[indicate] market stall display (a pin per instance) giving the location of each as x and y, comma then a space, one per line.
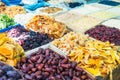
9, 73
46, 24
28, 39
10, 51
48, 65
104, 33
59, 39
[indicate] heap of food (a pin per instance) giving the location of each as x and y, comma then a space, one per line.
5, 21
8, 73
95, 56
46, 24
46, 64
69, 41
99, 58
28, 39
2, 7
10, 51
104, 33
51, 10
13, 10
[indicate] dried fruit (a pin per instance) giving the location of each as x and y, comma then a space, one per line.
52, 71
96, 57
10, 51
28, 39
46, 24
104, 33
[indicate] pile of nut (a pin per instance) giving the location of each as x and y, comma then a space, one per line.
48, 65
46, 24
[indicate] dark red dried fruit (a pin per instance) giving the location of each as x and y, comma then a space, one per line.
104, 33
33, 69
37, 73
52, 67
65, 65
83, 77
40, 66
23, 60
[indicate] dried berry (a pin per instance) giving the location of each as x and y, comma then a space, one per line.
104, 33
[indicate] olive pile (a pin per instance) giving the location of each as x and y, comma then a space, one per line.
48, 65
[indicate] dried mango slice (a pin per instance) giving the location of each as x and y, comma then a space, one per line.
93, 71
10, 51
96, 56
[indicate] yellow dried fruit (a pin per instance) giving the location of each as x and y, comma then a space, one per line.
46, 24
10, 51
98, 56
